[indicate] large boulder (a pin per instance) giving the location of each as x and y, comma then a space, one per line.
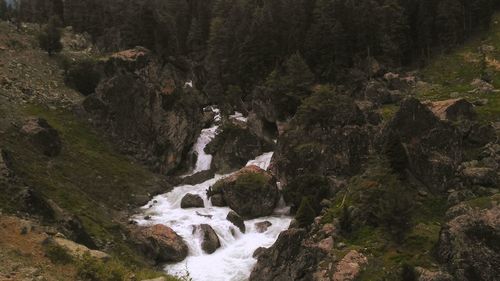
251, 192
192, 201
290, 258
453, 110
468, 243
160, 243
210, 241
76, 250
144, 106
416, 140
234, 146
42, 136
235, 219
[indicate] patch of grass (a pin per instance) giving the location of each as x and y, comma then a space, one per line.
58, 254
388, 111
484, 202
89, 179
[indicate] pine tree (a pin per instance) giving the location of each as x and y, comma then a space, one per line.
195, 37
3, 10
50, 37
448, 23
305, 214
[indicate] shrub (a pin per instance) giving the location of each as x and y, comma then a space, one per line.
314, 187
58, 254
91, 269
408, 273
83, 76
49, 38
306, 214
384, 198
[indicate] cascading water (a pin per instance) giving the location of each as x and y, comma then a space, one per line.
233, 261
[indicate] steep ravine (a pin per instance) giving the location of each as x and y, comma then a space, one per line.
233, 261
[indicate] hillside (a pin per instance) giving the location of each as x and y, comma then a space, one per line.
89, 181
250, 140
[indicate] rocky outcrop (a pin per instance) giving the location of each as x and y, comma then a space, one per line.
290, 258
453, 110
160, 243
210, 241
76, 250
428, 275
234, 146
416, 140
145, 108
251, 192
468, 243
42, 136
349, 267
338, 147
235, 219
192, 201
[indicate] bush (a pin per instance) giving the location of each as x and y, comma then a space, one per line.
384, 198
408, 273
58, 254
83, 76
314, 187
306, 214
91, 269
49, 38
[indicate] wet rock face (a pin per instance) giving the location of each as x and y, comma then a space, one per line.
416, 140
251, 192
235, 219
468, 243
338, 147
160, 243
210, 242
42, 136
145, 108
192, 201
287, 259
234, 146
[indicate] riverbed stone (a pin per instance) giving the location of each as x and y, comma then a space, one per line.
235, 219
192, 201
210, 241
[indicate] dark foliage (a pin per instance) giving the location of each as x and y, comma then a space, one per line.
313, 187
306, 214
83, 77
50, 36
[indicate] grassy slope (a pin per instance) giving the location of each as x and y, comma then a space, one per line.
453, 72
89, 179
450, 75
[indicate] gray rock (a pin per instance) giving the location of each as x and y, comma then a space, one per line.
262, 226
468, 243
210, 241
192, 201
235, 219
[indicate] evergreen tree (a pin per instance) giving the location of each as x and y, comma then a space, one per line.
3, 10
448, 23
305, 214
50, 37
195, 37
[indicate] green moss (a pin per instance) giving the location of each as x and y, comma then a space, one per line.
388, 111
484, 202
89, 179
58, 254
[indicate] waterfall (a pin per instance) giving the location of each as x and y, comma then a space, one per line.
233, 261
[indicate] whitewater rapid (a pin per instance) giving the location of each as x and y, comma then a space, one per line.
233, 261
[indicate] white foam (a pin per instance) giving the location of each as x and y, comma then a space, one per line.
233, 261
